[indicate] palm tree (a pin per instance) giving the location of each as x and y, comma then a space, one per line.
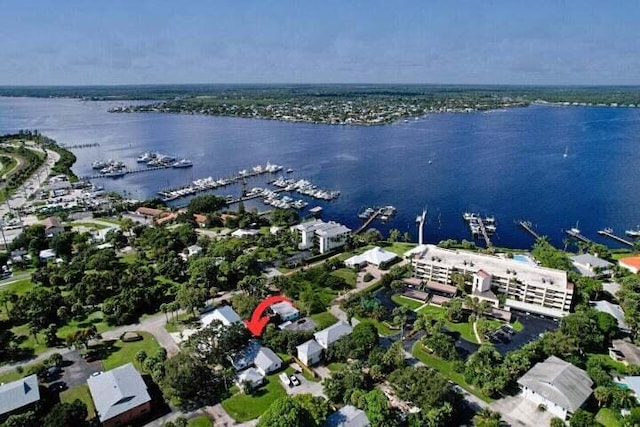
164, 308
487, 418
400, 316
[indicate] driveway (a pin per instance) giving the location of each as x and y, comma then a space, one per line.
306, 386
78, 370
520, 412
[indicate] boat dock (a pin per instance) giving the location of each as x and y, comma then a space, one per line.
577, 235
368, 221
608, 232
124, 172
78, 146
251, 197
483, 231
529, 228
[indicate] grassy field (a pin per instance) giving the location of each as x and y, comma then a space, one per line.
399, 248
336, 366
465, 329
80, 392
201, 421
95, 318
112, 221
93, 225
617, 367
445, 368
608, 418
242, 407
324, 319
411, 303
348, 274
125, 352
383, 329
18, 287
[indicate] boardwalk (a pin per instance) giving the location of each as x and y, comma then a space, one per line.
609, 233
368, 222
529, 228
483, 230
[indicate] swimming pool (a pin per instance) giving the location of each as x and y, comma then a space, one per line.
525, 259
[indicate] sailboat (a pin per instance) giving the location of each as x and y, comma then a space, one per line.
566, 152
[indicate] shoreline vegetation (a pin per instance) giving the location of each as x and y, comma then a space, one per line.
335, 104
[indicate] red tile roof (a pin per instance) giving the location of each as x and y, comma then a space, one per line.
632, 261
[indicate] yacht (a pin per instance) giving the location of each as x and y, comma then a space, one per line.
98, 164
633, 233
183, 163
145, 157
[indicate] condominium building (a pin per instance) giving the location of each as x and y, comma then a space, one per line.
326, 236
528, 287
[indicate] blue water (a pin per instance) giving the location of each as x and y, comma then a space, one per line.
505, 163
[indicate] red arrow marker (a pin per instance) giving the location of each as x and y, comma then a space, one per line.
258, 322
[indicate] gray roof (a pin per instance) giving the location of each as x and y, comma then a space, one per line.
117, 391
284, 309
333, 333
309, 347
266, 358
16, 394
613, 309
348, 416
593, 261
224, 313
251, 375
558, 381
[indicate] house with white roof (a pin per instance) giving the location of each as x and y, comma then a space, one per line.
242, 233
333, 333
325, 235
266, 361
591, 265
614, 310
224, 314
285, 310
558, 386
374, 256
348, 416
309, 352
250, 376
18, 396
193, 250
119, 396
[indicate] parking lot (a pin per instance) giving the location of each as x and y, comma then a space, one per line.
77, 372
533, 326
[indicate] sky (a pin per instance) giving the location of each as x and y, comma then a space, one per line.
539, 42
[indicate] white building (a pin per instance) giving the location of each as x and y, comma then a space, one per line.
191, 251
242, 233
557, 385
309, 352
528, 287
224, 314
326, 236
267, 361
250, 376
285, 310
374, 256
333, 333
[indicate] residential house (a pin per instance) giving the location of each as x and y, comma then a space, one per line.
375, 256
348, 416
250, 376
333, 333
614, 310
224, 314
285, 310
201, 220
52, 226
241, 233
18, 396
266, 361
557, 386
309, 352
191, 251
591, 266
120, 396
47, 255
631, 263
325, 235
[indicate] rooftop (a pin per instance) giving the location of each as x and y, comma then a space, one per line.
632, 261
309, 347
117, 391
375, 256
613, 309
284, 309
333, 333
593, 261
558, 381
224, 314
52, 222
265, 358
20, 393
348, 416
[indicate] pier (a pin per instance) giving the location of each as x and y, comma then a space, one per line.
609, 233
78, 146
251, 197
529, 228
124, 172
483, 230
368, 221
576, 234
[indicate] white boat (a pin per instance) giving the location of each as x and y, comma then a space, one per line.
98, 164
183, 163
633, 233
289, 170
566, 152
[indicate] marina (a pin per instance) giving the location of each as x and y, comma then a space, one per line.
370, 214
608, 232
576, 234
481, 227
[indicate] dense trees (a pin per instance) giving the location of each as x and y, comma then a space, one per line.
192, 381
206, 204
286, 412
356, 345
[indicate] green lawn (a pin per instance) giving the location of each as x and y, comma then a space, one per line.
618, 255
125, 352
324, 319
201, 421
399, 248
95, 318
336, 366
242, 407
383, 328
93, 225
465, 329
129, 258
609, 362
111, 220
18, 287
13, 375
348, 274
80, 392
411, 303
27, 340
608, 418
446, 369
517, 326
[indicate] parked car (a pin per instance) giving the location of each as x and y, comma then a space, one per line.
58, 386
294, 380
285, 380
